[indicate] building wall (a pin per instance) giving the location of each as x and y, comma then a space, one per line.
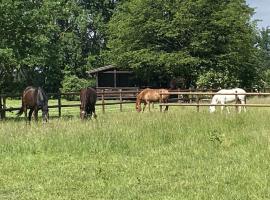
122, 80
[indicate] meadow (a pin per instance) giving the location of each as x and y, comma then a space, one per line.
180, 154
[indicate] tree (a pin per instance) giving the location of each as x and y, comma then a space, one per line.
44, 41
263, 44
189, 38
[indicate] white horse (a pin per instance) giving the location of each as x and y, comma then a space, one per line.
223, 96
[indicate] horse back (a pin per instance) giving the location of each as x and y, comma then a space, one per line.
29, 96
153, 94
42, 99
88, 97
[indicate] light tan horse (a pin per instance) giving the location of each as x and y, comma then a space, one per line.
148, 96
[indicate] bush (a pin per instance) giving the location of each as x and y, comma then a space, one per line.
213, 79
72, 83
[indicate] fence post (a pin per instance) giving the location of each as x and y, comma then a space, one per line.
198, 103
178, 96
236, 101
4, 107
160, 102
190, 96
120, 97
59, 103
102, 101
1, 108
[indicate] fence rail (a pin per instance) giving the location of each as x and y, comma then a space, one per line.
198, 98
126, 96
121, 97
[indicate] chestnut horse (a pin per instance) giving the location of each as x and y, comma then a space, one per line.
148, 96
34, 99
88, 97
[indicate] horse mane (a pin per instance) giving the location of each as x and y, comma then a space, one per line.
42, 98
214, 99
139, 98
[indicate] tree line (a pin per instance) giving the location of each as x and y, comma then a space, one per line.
207, 43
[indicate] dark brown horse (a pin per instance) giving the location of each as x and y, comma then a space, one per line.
148, 96
88, 97
34, 99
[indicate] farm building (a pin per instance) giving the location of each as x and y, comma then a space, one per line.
110, 76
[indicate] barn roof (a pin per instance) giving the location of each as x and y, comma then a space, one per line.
100, 69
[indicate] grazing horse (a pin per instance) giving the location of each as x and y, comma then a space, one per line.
223, 96
88, 97
151, 95
34, 99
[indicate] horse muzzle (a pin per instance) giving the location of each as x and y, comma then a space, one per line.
83, 114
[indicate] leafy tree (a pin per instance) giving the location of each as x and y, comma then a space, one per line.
263, 44
42, 40
186, 38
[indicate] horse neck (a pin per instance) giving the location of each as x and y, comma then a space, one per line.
214, 99
164, 95
138, 100
41, 97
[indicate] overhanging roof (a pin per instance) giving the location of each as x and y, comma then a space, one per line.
105, 68
100, 69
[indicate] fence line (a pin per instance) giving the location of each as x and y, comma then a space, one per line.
121, 96
198, 104
126, 97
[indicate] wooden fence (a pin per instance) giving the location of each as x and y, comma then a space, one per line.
201, 97
121, 97
105, 97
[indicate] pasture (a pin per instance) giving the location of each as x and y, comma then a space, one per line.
181, 154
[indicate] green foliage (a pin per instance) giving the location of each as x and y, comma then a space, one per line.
263, 43
72, 83
266, 78
41, 41
185, 38
45, 37
212, 79
7, 68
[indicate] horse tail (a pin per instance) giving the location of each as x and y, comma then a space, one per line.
20, 112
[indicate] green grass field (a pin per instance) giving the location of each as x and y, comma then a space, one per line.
181, 154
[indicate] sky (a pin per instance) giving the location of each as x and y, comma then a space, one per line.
262, 9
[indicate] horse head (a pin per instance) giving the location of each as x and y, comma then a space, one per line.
83, 114
214, 100
138, 106
42, 101
138, 102
45, 113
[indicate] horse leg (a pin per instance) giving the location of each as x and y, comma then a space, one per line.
88, 112
221, 108
36, 114
149, 105
243, 102
30, 114
94, 112
239, 109
228, 110
25, 112
167, 107
144, 105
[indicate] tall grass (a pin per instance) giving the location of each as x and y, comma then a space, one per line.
181, 154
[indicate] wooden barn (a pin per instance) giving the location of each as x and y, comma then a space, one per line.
110, 76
